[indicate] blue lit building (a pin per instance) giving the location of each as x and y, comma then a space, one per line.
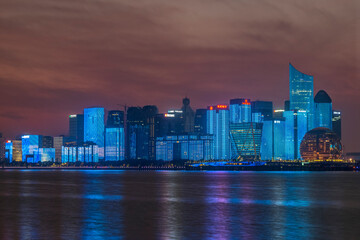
246, 140
85, 153
296, 126
9, 151
30, 143
302, 93
94, 129
114, 144
184, 147
218, 121
273, 140
76, 128
323, 110
44, 155
240, 110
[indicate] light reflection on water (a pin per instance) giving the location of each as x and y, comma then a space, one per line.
178, 205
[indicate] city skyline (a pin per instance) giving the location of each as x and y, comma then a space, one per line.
158, 53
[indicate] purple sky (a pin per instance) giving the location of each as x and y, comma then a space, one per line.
57, 57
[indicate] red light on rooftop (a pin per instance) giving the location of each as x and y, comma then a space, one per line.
211, 108
246, 102
222, 106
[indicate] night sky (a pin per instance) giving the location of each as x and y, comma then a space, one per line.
57, 57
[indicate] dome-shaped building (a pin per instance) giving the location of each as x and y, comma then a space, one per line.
320, 144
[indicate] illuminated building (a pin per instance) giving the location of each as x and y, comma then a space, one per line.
296, 126
30, 143
273, 140
44, 155
94, 129
302, 93
115, 119
261, 110
184, 147
321, 144
58, 143
323, 110
240, 110
336, 122
218, 121
200, 121
246, 140
9, 151
76, 127
114, 144
87, 153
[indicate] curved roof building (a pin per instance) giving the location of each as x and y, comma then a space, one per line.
302, 93
323, 110
322, 97
320, 144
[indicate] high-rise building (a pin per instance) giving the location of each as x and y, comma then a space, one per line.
302, 93
264, 108
336, 123
240, 110
323, 110
58, 143
246, 140
200, 121
114, 144
13, 151
188, 117
218, 120
296, 126
273, 140
94, 129
76, 127
47, 142
115, 119
30, 144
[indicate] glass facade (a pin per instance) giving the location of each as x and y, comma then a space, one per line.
218, 121
9, 151
240, 110
336, 122
246, 140
94, 129
44, 155
184, 147
76, 127
273, 140
114, 144
30, 143
86, 153
302, 93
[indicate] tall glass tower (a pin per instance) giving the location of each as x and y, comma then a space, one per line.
302, 93
218, 120
94, 127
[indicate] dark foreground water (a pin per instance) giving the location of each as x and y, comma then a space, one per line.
178, 205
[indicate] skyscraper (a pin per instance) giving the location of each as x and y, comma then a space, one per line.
336, 123
323, 110
302, 93
265, 108
273, 140
114, 144
218, 119
115, 119
30, 144
240, 110
94, 129
200, 121
76, 127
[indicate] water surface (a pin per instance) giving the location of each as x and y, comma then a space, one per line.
107, 204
